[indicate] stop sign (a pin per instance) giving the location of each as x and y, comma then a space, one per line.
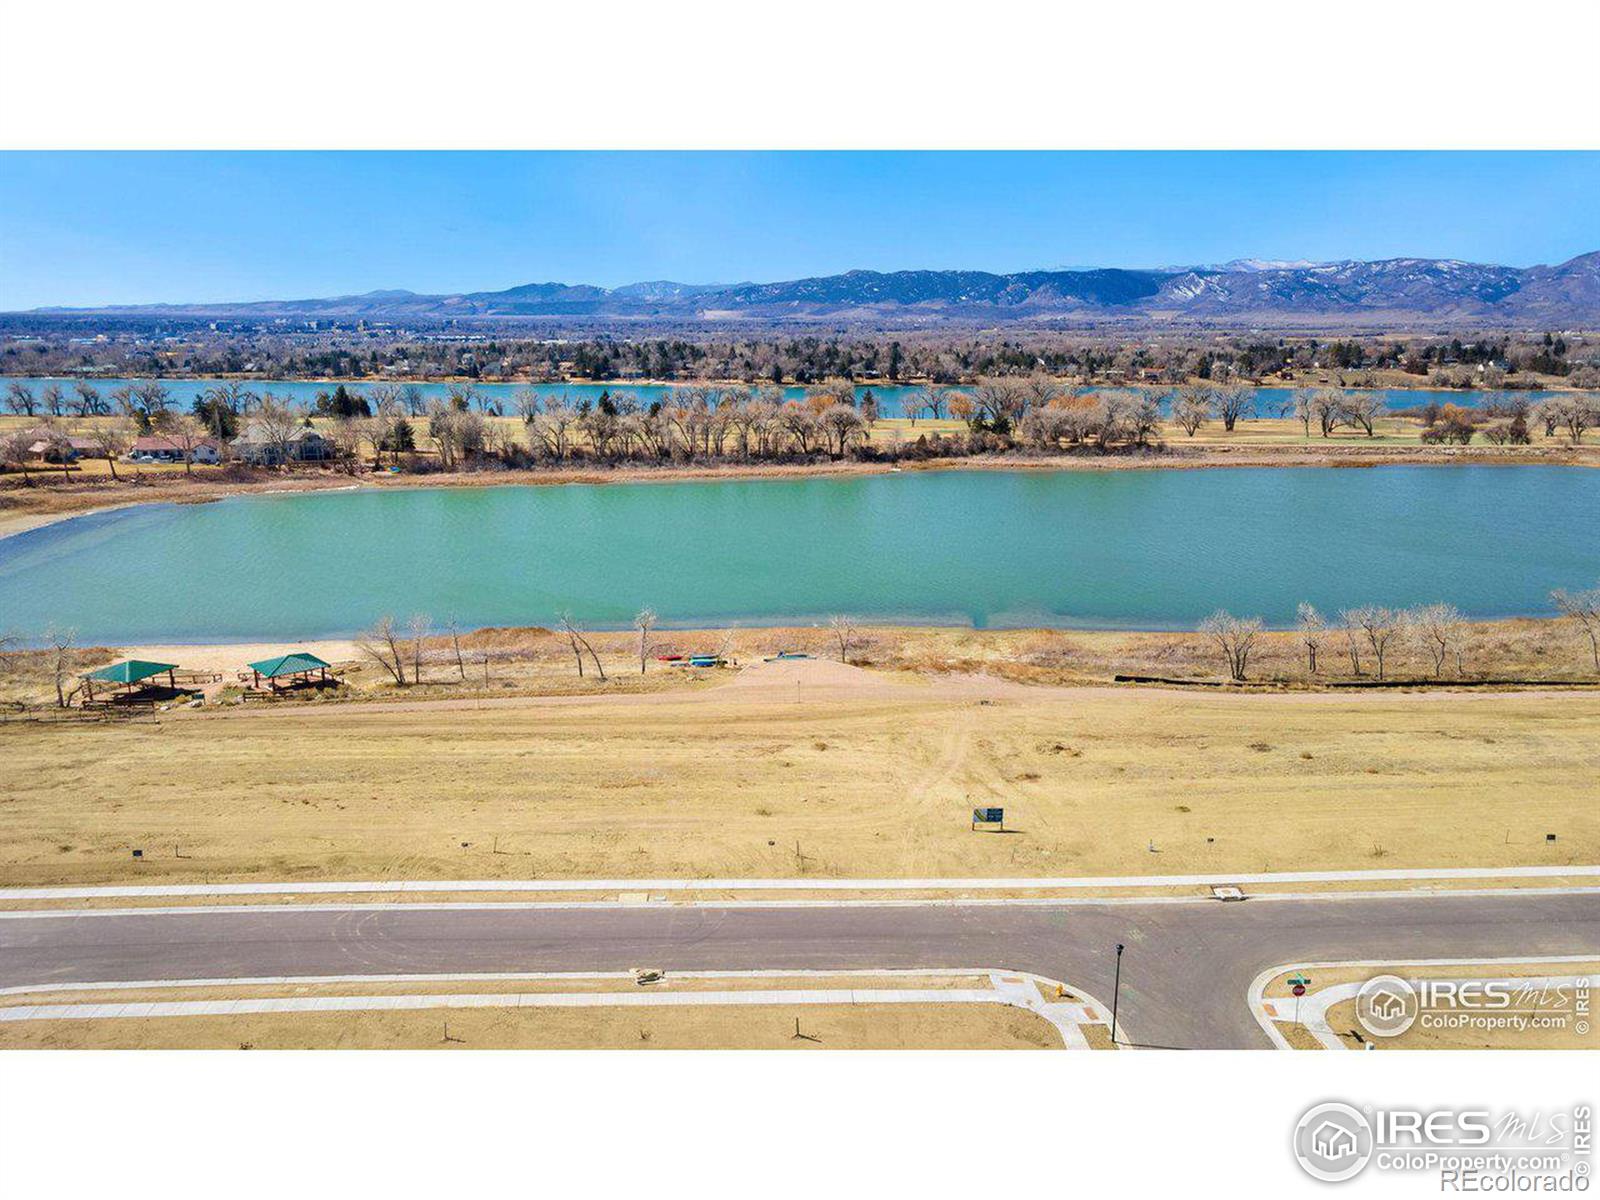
1299, 989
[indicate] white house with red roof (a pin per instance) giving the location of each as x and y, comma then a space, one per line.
158, 447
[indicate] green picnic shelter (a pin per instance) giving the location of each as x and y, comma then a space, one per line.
298, 667
127, 674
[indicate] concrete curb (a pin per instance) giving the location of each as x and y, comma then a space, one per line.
634, 906
1109, 882
1014, 989
1315, 1006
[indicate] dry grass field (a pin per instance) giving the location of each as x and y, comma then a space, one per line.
504, 1024
734, 1027
807, 768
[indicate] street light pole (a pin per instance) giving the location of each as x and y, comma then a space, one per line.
1116, 994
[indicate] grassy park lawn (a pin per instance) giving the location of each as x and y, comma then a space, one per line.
1253, 432
808, 769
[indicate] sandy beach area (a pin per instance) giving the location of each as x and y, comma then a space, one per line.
228, 657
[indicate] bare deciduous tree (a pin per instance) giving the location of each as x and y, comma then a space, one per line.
417, 629
1383, 629
382, 644
21, 400
453, 627
185, 433
1302, 404
275, 424
1191, 407
15, 450
62, 643
1573, 413
88, 402
841, 427
1328, 407
553, 426
152, 396
111, 437
1232, 402
1351, 628
1235, 637
1144, 418
844, 634
56, 445
1364, 408
580, 645
1442, 628
1312, 625
644, 621
1584, 608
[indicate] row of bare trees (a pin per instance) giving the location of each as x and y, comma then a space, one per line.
1371, 635
1037, 412
745, 424
697, 423
391, 645
400, 648
1331, 408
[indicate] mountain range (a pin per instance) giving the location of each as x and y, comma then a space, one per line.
1387, 293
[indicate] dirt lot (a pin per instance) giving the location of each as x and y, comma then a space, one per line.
808, 768
733, 1027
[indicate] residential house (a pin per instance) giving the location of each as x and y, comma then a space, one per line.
302, 444
60, 448
158, 447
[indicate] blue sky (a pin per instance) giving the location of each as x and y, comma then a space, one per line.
96, 228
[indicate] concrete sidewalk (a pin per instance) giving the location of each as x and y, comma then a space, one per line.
1013, 989
1057, 883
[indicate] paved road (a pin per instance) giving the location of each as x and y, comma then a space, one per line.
1185, 972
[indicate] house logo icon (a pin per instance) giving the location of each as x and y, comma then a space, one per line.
1333, 1141
1386, 1006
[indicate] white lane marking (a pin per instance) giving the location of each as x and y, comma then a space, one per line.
1016, 989
770, 885
949, 902
1255, 996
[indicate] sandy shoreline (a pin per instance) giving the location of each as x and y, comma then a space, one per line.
12, 524
228, 657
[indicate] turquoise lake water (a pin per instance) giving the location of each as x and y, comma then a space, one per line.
1269, 401
1116, 549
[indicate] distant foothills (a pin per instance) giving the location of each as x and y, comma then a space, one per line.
1391, 293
